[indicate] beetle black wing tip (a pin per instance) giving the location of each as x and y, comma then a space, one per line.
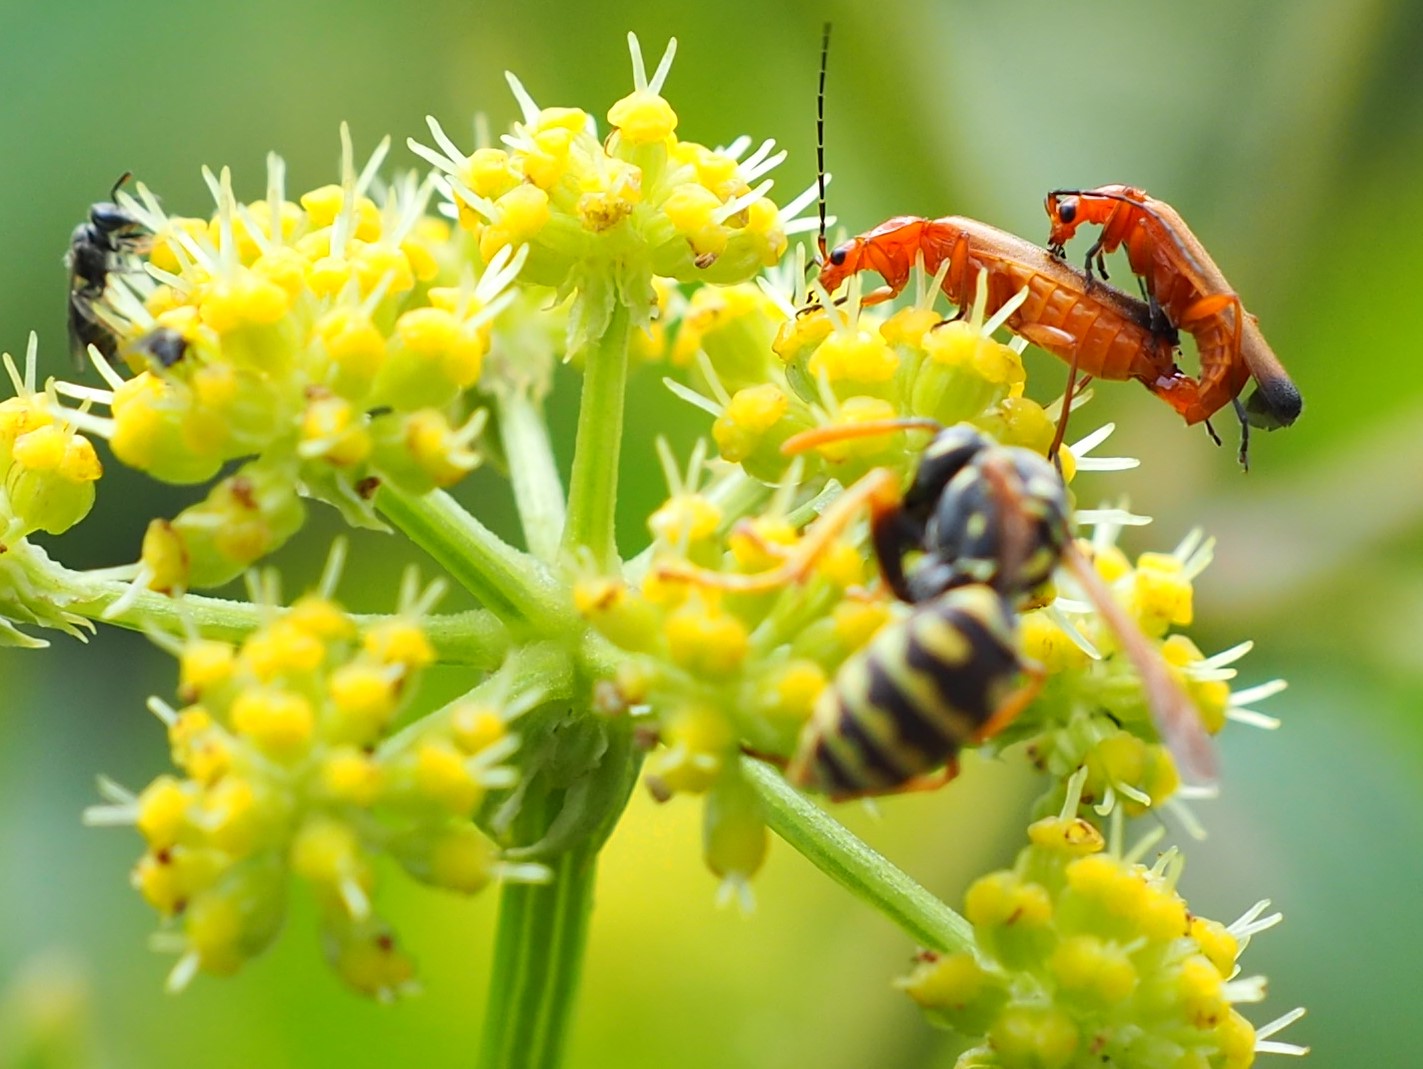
1273, 405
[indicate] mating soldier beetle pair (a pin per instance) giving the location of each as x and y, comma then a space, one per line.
1098, 330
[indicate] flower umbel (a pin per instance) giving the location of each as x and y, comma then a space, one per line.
1084, 957
333, 340
602, 218
289, 768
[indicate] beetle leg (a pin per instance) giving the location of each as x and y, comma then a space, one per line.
1052, 452
1095, 252
1244, 433
1211, 431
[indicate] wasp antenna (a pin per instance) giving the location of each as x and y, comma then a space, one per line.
820, 138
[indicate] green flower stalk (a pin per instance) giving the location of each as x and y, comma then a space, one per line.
368, 343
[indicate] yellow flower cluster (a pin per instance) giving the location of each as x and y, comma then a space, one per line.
333, 338
604, 217
288, 768
729, 667
769, 371
1083, 958
1093, 712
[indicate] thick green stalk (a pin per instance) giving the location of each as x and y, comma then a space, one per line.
827, 845
533, 474
509, 583
538, 961
593, 489
543, 928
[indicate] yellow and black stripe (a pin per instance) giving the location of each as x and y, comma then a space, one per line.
920, 691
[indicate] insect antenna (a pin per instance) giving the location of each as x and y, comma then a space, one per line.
820, 138
114, 193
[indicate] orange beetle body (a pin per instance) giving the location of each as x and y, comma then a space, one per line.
1192, 293
1090, 325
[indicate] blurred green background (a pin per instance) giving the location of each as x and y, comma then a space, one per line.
1289, 133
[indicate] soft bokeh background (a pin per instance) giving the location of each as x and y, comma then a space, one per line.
1289, 133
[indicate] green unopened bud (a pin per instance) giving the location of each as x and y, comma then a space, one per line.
244, 517
1034, 1037
956, 991
734, 835
237, 919
366, 956
456, 856
50, 483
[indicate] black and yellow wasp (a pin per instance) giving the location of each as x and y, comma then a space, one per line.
979, 528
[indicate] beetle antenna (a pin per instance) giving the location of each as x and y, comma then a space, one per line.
820, 138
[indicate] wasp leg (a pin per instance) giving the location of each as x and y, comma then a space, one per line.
1015, 703
879, 490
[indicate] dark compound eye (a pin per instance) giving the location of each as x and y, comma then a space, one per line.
837, 256
110, 217
1067, 210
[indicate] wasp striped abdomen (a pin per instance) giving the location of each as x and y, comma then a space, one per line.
920, 691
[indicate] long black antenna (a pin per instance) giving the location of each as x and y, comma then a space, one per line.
820, 138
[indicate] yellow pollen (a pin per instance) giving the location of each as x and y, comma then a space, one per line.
476, 727
749, 414
204, 664
643, 117
462, 860
321, 617
441, 776
326, 852
706, 639
859, 410
685, 518
691, 210
281, 648
399, 642
162, 812
244, 299
756, 544
1002, 899
488, 172
374, 265
280, 722
349, 775
430, 332
365, 697
1072, 836
323, 205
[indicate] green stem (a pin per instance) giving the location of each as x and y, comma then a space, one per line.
593, 489
543, 928
476, 638
533, 473
538, 960
509, 583
830, 847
